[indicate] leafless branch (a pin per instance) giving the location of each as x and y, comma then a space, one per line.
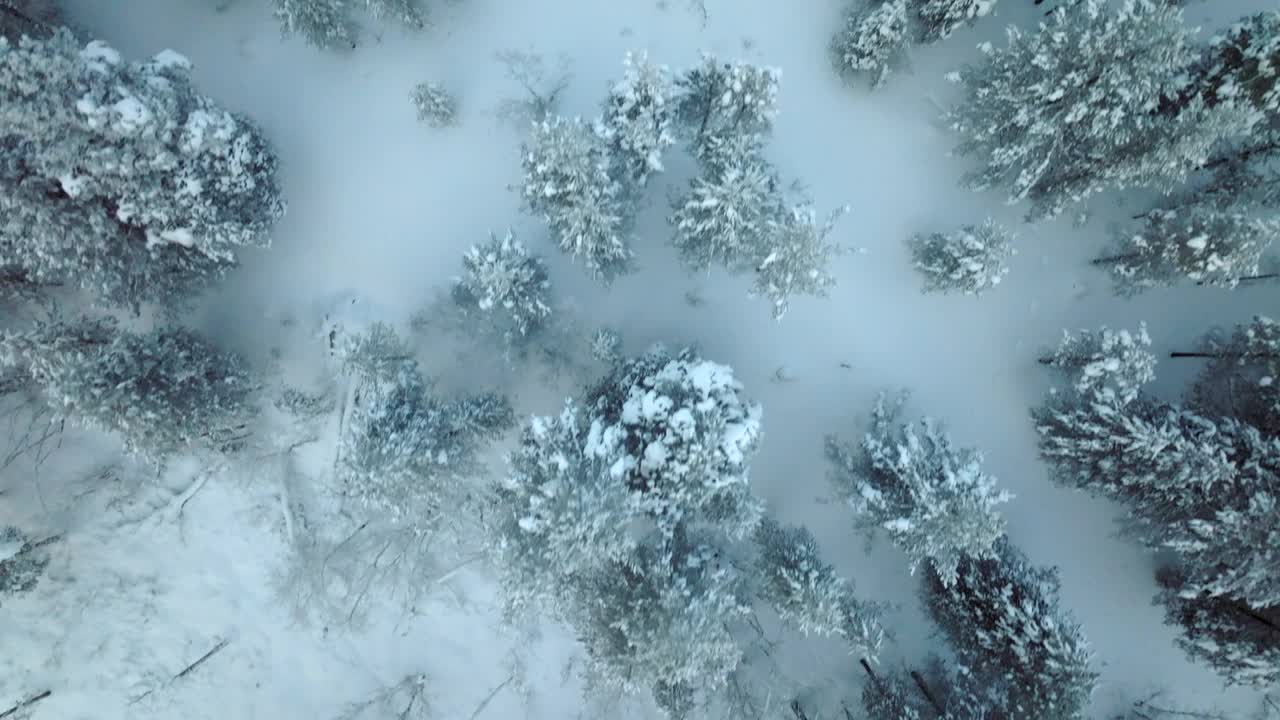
26, 704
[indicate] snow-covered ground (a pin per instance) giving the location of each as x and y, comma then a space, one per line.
382, 208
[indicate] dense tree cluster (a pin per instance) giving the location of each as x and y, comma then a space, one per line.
630, 516
1199, 479
586, 180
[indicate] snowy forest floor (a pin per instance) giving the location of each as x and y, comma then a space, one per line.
152, 573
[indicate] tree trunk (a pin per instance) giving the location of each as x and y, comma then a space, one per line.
1224, 356
1113, 259
924, 690
872, 674
1252, 278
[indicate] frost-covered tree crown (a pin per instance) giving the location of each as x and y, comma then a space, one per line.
1109, 364
873, 40
798, 257
436, 106
1078, 106
807, 593
34, 18
970, 260
21, 561
1002, 618
504, 282
1241, 377
637, 121
120, 177
1197, 242
164, 392
567, 182
931, 498
683, 435
724, 217
619, 513
718, 99
327, 24
405, 453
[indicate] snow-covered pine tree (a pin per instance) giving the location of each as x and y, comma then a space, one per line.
1162, 462
567, 182
937, 19
873, 40
715, 99
507, 285
322, 23
971, 259
1105, 363
1002, 619
725, 216
662, 620
409, 13
405, 454
796, 256
327, 24
930, 497
1077, 106
436, 106
21, 561
637, 121
808, 594
1198, 242
623, 516
1242, 376
686, 435
559, 511
1240, 641
1201, 485
606, 345
35, 18
120, 177
164, 392
1240, 69
1243, 64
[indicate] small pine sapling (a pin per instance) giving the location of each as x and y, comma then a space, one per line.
970, 260
436, 106
606, 346
795, 257
506, 284
567, 182
873, 40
